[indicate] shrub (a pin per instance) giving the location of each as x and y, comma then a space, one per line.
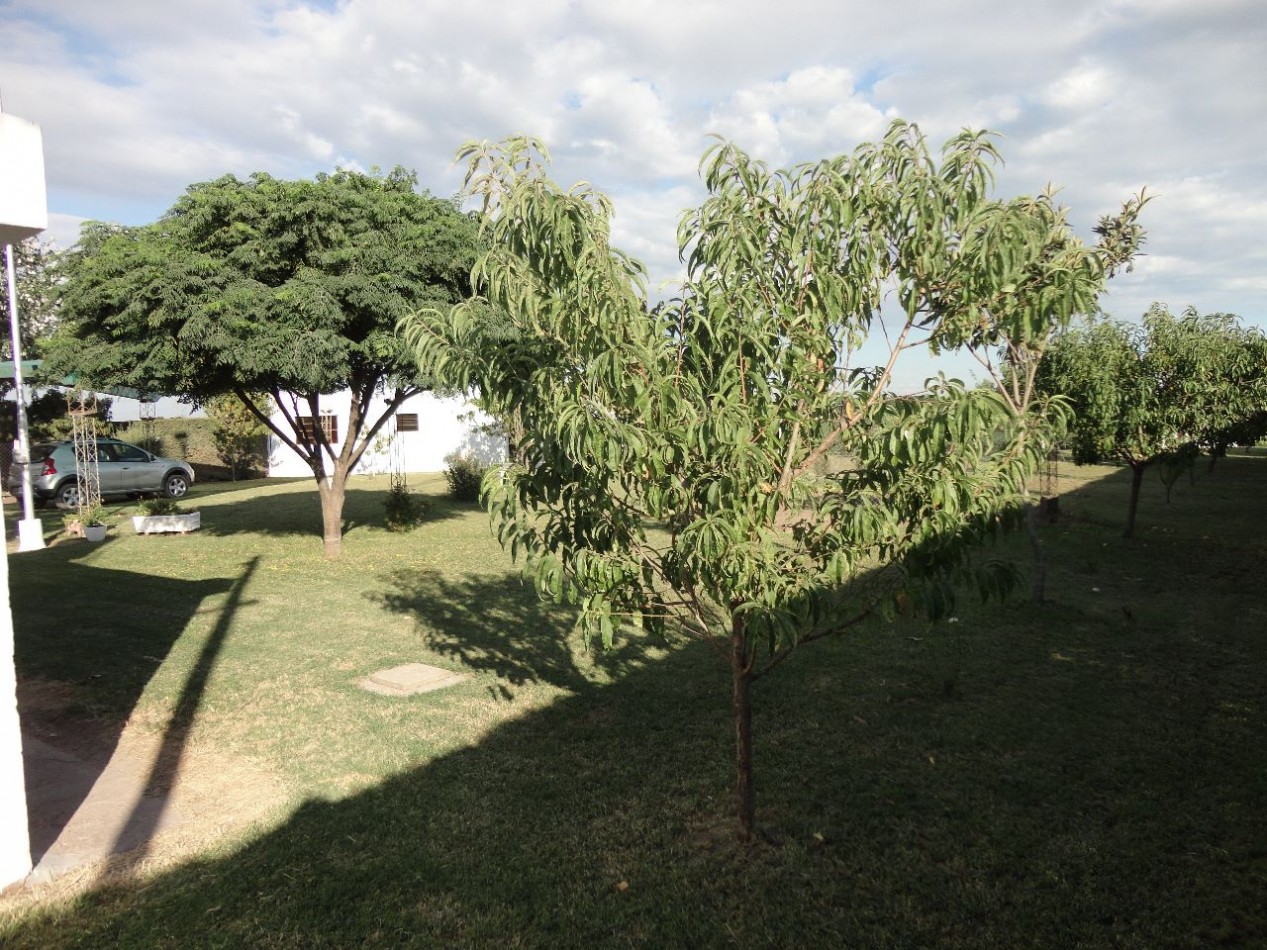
240, 438
189, 438
404, 511
464, 475
159, 506
75, 521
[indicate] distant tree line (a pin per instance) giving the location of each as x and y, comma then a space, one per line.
1160, 391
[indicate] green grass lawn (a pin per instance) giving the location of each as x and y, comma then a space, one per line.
1089, 772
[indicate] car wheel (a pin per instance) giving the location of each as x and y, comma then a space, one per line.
176, 485
68, 494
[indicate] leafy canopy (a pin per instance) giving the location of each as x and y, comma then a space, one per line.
673, 467
35, 277
1142, 390
290, 289
265, 284
723, 465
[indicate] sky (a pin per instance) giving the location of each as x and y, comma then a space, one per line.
137, 100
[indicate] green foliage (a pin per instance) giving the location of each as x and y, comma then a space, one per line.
668, 476
1156, 390
708, 414
188, 438
1143, 390
287, 288
47, 417
159, 506
35, 270
405, 510
1249, 431
240, 437
465, 476
87, 516
261, 284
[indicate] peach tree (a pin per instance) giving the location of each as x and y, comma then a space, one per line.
726, 465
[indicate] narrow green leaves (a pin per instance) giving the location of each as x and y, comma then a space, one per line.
728, 452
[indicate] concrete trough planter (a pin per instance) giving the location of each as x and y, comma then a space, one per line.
167, 524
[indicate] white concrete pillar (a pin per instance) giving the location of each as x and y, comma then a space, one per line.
15, 842
23, 212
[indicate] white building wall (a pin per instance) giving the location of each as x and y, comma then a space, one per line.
15, 845
446, 424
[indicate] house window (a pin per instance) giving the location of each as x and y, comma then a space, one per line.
406, 422
329, 426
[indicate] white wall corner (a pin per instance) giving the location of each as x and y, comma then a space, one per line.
23, 194
15, 842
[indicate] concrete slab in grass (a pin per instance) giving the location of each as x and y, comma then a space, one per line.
410, 679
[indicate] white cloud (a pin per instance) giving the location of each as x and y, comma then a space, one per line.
63, 230
1089, 85
1098, 96
815, 110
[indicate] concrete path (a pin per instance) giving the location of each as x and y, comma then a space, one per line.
80, 812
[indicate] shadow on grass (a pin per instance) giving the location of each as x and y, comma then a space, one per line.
1091, 801
288, 510
498, 625
138, 830
1200, 500
87, 640
1093, 781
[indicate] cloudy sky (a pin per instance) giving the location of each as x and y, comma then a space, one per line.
1101, 97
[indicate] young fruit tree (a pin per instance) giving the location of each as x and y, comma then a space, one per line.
723, 465
286, 289
1149, 392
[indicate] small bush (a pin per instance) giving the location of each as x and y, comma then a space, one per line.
404, 511
75, 521
464, 475
189, 438
159, 506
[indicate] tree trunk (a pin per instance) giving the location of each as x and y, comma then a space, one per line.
1038, 588
1215, 452
746, 798
1137, 478
332, 490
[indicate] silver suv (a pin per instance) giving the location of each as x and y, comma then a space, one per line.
125, 470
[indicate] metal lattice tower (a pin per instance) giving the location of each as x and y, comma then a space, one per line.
1049, 476
83, 420
397, 455
149, 413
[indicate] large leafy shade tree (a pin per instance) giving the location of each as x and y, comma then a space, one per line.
670, 474
291, 289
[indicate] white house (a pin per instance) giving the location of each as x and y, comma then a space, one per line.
425, 429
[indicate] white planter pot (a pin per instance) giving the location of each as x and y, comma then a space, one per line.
95, 532
167, 524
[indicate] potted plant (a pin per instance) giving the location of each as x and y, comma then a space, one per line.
87, 523
163, 516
